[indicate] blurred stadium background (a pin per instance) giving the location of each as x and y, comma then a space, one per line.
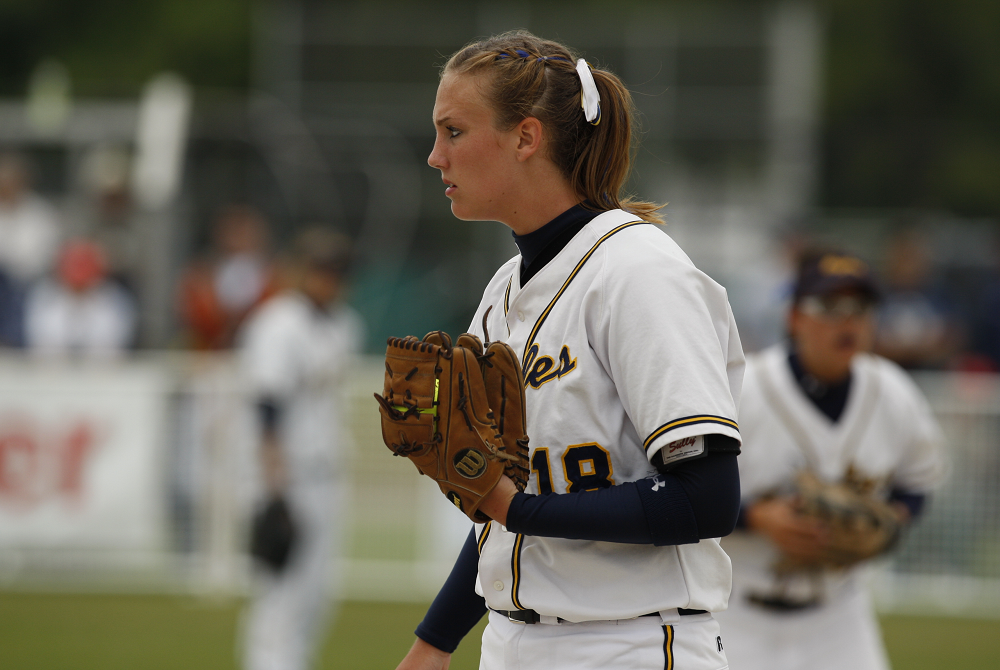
765, 125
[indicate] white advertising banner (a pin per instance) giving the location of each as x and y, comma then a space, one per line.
81, 451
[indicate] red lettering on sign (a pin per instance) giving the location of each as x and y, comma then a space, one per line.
74, 453
38, 464
18, 464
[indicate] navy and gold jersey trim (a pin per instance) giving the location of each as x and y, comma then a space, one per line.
482, 536
572, 275
506, 295
515, 568
668, 648
688, 421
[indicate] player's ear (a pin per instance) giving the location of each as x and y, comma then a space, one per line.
792, 319
529, 137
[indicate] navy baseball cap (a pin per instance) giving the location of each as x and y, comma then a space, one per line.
826, 272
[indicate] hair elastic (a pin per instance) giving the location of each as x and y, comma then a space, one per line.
525, 55
590, 98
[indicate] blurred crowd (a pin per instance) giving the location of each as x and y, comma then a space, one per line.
927, 318
71, 276
70, 280
61, 291
224, 284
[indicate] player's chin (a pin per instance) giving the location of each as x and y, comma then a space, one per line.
847, 345
463, 213
845, 356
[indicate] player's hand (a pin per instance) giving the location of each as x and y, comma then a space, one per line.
798, 537
423, 656
273, 465
497, 502
903, 512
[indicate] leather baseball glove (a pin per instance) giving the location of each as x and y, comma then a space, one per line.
859, 526
273, 534
435, 411
505, 393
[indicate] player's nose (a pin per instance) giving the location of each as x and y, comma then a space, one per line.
436, 158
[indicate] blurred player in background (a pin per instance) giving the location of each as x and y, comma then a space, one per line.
296, 351
820, 404
610, 558
217, 292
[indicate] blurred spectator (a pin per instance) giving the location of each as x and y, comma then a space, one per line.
106, 213
984, 343
297, 350
29, 235
762, 288
79, 311
917, 326
217, 292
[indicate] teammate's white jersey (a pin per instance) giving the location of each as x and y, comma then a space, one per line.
628, 349
297, 354
888, 433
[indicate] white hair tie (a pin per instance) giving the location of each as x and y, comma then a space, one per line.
590, 99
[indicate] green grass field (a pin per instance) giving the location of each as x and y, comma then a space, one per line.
111, 632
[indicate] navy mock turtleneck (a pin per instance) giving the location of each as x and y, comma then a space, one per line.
541, 246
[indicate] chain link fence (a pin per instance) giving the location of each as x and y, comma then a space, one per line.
402, 536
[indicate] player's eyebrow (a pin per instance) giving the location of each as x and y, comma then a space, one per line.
442, 121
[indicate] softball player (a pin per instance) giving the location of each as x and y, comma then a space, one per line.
296, 349
819, 403
633, 368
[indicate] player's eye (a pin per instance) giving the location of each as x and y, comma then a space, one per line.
453, 131
835, 307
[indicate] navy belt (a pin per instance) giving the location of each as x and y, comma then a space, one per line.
531, 616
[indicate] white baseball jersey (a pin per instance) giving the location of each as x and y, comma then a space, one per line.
888, 433
297, 354
628, 350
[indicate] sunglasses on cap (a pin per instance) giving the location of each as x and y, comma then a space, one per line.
835, 306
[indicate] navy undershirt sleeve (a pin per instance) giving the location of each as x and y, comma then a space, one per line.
457, 607
270, 412
741, 520
914, 502
697, 499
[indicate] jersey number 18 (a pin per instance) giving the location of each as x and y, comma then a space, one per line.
587, 467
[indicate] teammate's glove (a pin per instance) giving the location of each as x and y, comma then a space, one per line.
273, 534
858, 526
435, 411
